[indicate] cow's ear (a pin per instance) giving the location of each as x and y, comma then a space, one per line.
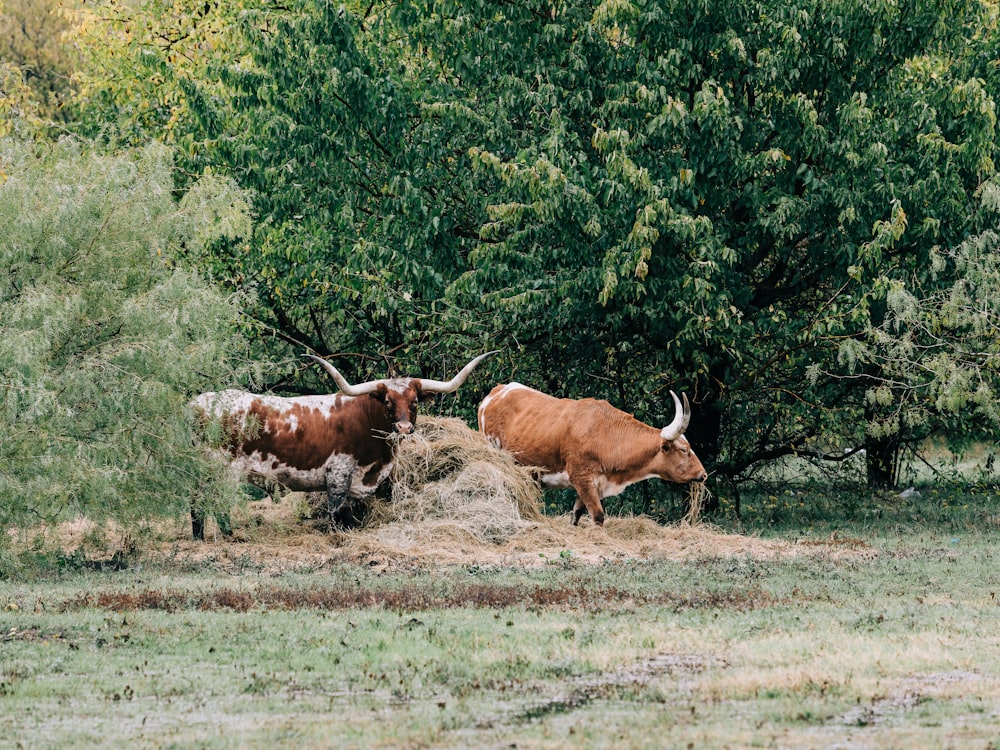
426, 397
379, 393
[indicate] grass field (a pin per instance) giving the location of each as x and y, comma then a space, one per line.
876, 632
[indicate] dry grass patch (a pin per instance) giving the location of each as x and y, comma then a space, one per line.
455, 499
396, 545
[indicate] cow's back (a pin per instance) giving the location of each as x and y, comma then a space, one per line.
540, 430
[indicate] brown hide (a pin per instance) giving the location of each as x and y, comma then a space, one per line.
304, 438
600, 449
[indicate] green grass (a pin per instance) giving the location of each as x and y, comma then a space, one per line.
939, 510
885, 637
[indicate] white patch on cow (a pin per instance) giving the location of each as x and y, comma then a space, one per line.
606, 488
558, 479
225, 402
357, 489
481, 414
312, 480
361, 490
513, 386
268, 467
341, 469
239, 402
399, 385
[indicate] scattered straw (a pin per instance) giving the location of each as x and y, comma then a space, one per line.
455, 499
697, 499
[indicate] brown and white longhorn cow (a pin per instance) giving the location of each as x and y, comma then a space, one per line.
336, 442
588, 445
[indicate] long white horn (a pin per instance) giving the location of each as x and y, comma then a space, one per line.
440, 386
681, 418
362, 389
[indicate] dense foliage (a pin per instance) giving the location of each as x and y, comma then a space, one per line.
32, 42
103, 337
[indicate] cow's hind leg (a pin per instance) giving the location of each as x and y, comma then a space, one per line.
339, 473
197, 523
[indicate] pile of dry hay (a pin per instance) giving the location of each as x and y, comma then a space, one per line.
450, 480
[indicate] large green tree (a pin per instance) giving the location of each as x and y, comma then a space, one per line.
366, 201
32, 41
134, 57
625, 196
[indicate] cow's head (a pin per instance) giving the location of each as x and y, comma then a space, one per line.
679, 462
400, 395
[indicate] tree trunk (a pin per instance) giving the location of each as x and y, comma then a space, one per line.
882, 459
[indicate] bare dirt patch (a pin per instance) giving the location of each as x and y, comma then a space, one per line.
909, 693
411, 598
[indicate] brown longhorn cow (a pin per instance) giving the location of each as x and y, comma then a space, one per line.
588, 445
335, 443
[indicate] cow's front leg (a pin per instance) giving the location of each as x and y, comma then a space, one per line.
587, 498
339, 473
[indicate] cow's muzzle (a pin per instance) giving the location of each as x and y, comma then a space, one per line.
404, 428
